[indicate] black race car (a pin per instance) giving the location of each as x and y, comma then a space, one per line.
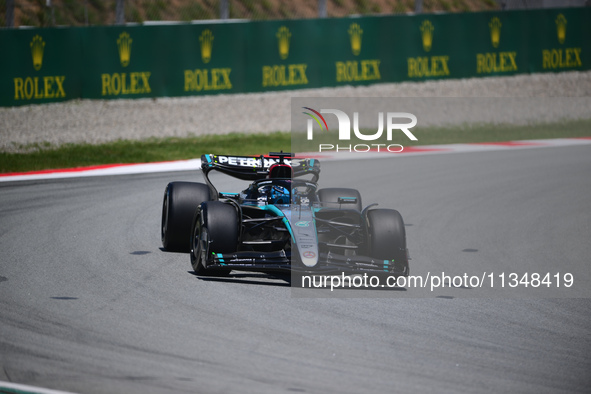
281, 222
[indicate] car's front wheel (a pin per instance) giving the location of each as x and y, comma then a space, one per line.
387, 239
181, 200
215, 231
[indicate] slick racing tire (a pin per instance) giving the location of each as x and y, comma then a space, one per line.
387, 239
181, 200
332, 194
215, 230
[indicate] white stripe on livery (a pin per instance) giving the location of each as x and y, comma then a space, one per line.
7, 387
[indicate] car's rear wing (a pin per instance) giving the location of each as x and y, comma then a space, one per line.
252, 168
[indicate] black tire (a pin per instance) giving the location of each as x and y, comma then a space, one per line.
332, 194
181, 200
387, 238
215, 230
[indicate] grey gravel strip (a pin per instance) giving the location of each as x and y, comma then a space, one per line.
97, 121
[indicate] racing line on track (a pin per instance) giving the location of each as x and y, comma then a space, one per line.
195, 164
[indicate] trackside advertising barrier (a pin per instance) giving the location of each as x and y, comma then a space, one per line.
56, 64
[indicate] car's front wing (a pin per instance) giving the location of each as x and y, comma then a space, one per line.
282, 261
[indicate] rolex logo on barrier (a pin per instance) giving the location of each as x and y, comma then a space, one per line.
561, 28
124, 45
206, 40
355, 33
428, 66
496, 62
283, 36
277, 75
39, 87
357, 70
561, 58
37, 47
495, 31
207, 79
126, 83
427, 35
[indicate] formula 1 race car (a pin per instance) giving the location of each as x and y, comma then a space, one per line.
281, 222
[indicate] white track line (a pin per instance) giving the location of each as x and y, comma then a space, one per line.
115, 169
195, 164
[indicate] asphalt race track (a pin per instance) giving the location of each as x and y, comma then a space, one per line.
89, 302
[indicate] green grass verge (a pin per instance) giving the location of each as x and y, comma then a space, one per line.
146, 151
153, 150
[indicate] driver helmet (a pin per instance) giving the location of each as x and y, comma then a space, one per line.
279, 195
274, 194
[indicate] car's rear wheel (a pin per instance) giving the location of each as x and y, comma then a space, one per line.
341, 197
181, 200
215, 230
387, 239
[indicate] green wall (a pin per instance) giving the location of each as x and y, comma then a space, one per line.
56, 64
